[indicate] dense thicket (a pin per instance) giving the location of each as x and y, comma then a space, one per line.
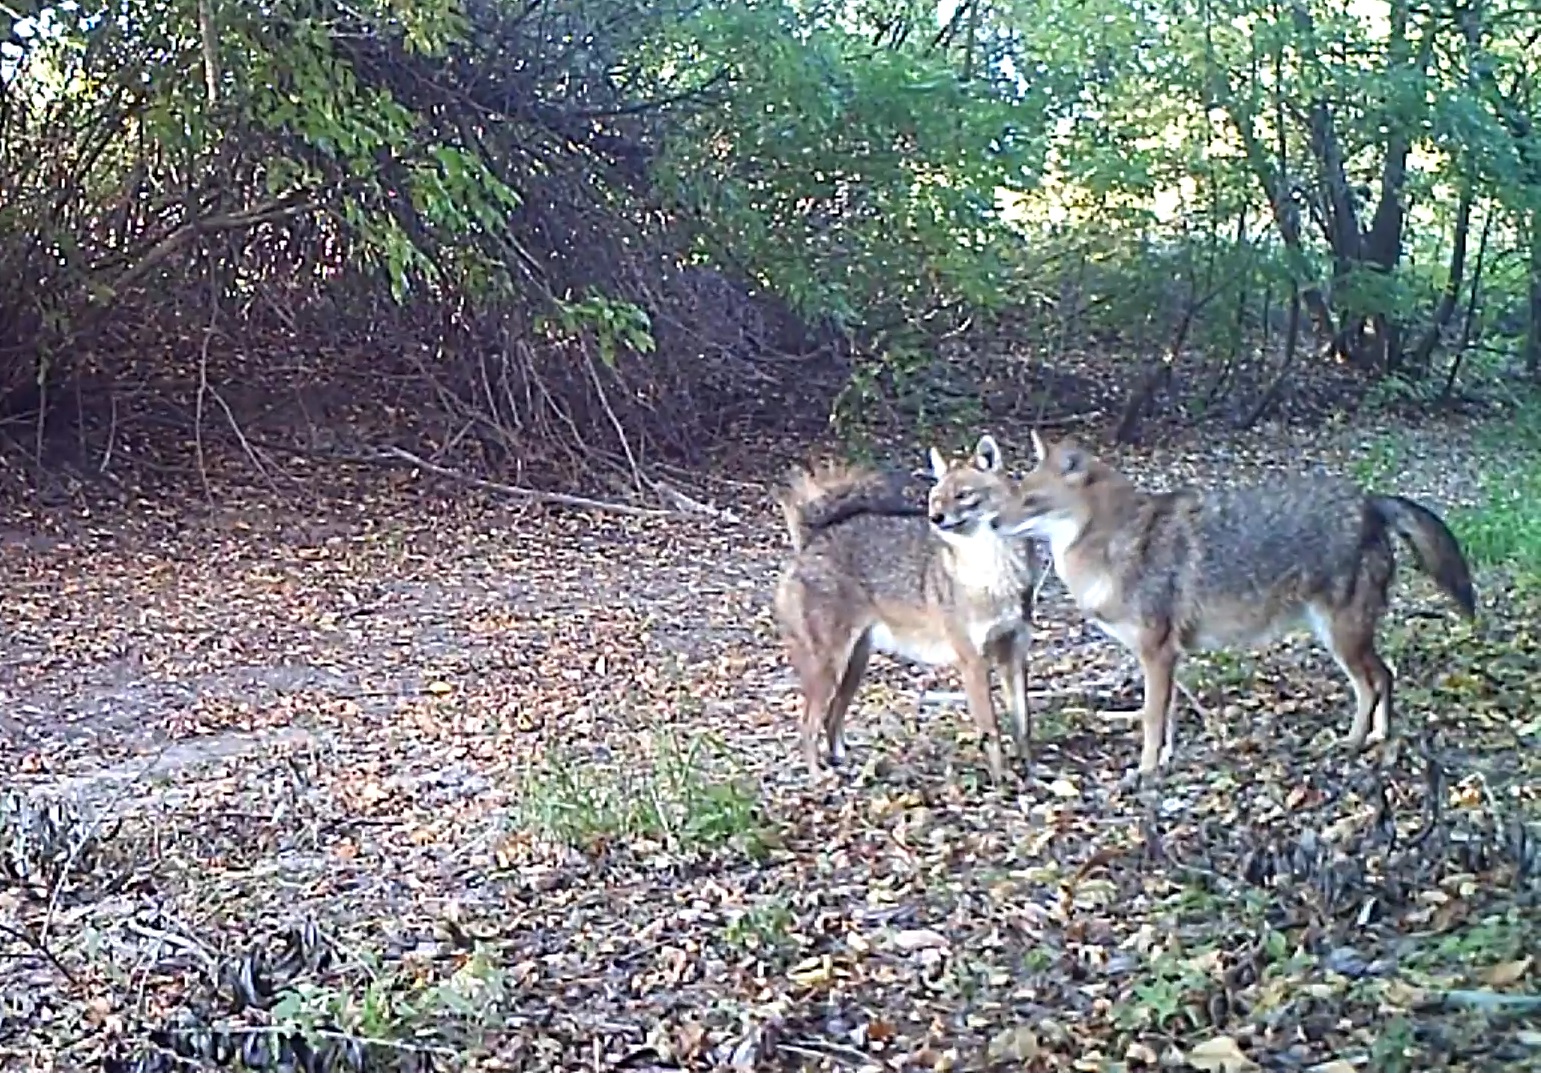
516, 227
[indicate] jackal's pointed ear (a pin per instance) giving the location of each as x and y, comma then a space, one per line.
987, 454
938, 464
1073, 464
1040, 449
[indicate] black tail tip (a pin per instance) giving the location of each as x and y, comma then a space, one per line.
1468, 602
1464, 594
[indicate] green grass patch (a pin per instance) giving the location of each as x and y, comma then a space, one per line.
1504, 529
763, 928
688, 795
1381, 462
1466, 951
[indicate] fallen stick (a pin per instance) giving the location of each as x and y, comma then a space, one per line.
1486, 1000
533, 494
939, 697
687, 505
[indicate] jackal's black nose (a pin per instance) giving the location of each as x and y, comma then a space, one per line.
938, 518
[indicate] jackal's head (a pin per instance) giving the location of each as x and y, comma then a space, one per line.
969, 493
1051, 502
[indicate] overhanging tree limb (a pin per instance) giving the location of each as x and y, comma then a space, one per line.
267, 212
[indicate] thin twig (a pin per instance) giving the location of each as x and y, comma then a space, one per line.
171, 938
559, 498
203, 387
320, 1033
819, 1048
687, 504
37, 945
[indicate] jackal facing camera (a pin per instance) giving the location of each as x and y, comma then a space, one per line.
937, 585
1191, 570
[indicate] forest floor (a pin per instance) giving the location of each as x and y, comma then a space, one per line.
463, 784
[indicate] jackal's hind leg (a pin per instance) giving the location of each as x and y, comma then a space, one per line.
850, 682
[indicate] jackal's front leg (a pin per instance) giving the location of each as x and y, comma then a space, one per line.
1159, 666
976, 687
1013, 664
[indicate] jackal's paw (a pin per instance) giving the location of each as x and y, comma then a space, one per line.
817, 767
1354, 744
837, 755
1374, 738
1164, 758
1136, 779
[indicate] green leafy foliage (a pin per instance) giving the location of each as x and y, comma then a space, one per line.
892, 172
612, 323
861, 183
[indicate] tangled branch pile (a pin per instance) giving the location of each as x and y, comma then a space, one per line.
202, 222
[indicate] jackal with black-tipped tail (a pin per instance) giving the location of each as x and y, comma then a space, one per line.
938, 585
1186, 570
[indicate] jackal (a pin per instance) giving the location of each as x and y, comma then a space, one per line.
1190, 570
936, 585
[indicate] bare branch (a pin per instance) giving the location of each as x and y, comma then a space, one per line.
533, 494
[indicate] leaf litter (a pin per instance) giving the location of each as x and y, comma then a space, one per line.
436, 784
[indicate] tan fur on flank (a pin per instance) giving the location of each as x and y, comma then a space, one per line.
937, 586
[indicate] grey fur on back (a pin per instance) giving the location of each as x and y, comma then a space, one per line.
1307, 533
1266, 547
818, 499
884, 557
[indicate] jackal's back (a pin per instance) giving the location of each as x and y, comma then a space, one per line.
1306, 536
1240, 564
910, 575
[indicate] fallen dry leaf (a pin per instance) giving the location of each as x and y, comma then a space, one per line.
1220, 1055
1140, 1052
913, 939
1017, 1044
491, 757
1506, 973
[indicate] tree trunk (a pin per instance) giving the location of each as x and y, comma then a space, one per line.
1447, 301
1274, 177
1157, 376
1474, 302
1338, 218
1533, 334
1142, 397
1378, 248
1383, 242
1291, 348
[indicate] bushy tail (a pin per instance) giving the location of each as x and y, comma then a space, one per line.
1434, 546
816, 499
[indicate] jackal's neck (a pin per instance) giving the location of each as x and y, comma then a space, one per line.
1111, 505
986, 563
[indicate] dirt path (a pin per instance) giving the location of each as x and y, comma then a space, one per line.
345, 707
120, 640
